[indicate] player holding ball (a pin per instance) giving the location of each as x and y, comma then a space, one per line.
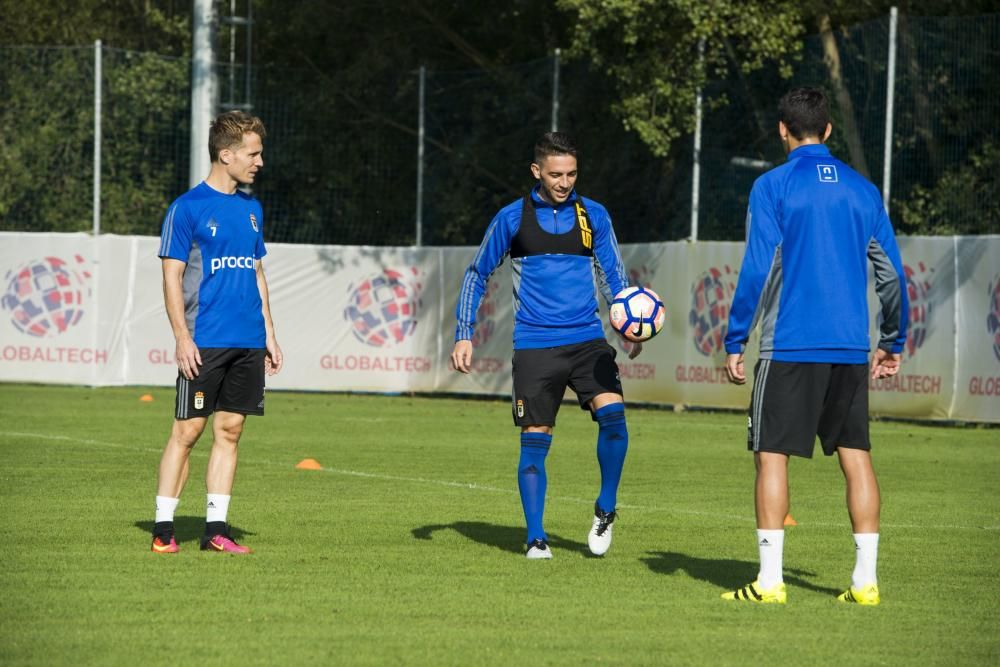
559, 244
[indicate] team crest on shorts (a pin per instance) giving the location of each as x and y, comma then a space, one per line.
199, 400
520, 408
253, 222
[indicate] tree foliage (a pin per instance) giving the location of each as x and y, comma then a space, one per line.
660, 54
47, 119
943, 208
337, 85
140, 25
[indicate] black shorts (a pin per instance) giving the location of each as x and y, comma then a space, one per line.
793, 403
542, 375
229, 379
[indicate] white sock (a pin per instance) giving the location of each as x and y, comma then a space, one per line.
217, 507
866, 548
165, 508
770, 543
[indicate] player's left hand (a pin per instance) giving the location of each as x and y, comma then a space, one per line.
635, 351
884, 364
273, 359
734, 369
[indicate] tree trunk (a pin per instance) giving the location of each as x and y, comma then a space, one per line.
922, 123
763, 132
831, 56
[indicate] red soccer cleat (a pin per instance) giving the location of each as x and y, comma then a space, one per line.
161, 547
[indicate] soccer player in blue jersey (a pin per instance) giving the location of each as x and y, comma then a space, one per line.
212, 246
812, 226
559, 244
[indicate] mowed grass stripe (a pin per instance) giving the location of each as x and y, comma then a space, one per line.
472, 486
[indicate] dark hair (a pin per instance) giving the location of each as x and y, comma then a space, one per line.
805, 112
554, 143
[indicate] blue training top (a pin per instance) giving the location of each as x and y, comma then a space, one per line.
811, 225
554, 270
220, 237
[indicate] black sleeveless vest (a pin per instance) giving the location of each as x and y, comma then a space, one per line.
531, 239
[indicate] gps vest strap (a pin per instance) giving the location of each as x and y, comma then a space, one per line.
531, 239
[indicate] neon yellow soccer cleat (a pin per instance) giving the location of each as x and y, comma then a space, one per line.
754, 593
867, 595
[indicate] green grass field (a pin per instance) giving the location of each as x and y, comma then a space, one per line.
406, 547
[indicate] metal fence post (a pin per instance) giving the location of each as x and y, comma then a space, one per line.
555, 91
420, 157
98, 66
890, 93
696, 167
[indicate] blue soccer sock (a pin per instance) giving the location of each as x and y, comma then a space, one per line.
612, 444
531, 481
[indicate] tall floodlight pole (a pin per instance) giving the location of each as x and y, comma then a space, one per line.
204, 88
249, 55
97, 136
696, 167
555, 91
890, 93
420, 157
232, 53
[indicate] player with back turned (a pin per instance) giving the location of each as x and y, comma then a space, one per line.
559, 243
813, 225
216, 296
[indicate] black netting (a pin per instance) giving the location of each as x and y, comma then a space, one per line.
341, 164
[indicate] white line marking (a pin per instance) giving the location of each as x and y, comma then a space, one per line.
478, 487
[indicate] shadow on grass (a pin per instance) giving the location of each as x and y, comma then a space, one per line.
191, 528
724, 572
505, 538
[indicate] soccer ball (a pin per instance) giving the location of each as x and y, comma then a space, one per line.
637, 313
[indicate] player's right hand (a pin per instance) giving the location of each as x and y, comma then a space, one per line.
734, 369
188, 357
461, 356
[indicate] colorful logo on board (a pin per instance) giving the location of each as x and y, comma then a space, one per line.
993, 317
46, 297
711, 297
919, 281
382, 309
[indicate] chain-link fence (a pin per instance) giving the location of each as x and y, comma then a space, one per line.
46, 138
342, 164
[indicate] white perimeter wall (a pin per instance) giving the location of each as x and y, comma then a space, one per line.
80, 310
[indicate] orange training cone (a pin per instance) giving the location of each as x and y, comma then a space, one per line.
308, 464
789, 521
146, 398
